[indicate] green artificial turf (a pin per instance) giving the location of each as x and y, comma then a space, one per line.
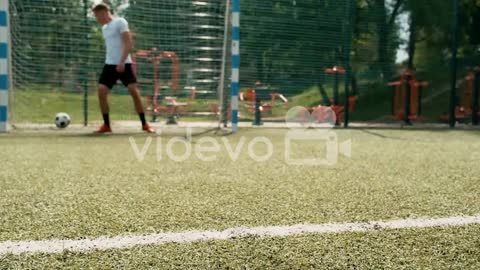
61, 185
448, 248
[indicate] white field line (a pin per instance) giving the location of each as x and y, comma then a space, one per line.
125, 242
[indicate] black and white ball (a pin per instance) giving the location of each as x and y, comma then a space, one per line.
62, 120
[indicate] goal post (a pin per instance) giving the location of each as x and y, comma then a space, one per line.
235, 62
4, 64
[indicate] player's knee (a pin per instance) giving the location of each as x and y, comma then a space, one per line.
103, 91
133, 89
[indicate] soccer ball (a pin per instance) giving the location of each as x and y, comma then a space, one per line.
62, 120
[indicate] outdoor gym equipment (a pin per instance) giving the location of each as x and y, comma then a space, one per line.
254, 100
407, 96
467, 107
337, 107
159, 103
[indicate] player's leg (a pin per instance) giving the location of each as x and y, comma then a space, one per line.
106, 82
129, 79
137, 99
103, 91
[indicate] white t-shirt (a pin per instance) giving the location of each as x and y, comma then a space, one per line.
112, 33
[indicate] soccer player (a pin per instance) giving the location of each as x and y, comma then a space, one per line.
118, 64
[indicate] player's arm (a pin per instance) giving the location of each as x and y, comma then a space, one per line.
127, 46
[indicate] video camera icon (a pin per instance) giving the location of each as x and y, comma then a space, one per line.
314, 126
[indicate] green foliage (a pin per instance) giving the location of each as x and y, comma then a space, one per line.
470, 23
291, 40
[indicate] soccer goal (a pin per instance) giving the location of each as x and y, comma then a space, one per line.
182, 59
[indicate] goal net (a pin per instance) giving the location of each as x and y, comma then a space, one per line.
58, 54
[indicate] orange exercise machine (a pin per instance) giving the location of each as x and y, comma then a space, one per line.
254, 100
170, 106
250, 97
407, 96
467, 107
334, 103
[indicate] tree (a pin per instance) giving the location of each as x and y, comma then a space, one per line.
46, 38
430, 23
291, 41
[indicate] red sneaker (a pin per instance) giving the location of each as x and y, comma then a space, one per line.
104, 129
147, 128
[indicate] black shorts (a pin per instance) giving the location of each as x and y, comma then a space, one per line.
110, 76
